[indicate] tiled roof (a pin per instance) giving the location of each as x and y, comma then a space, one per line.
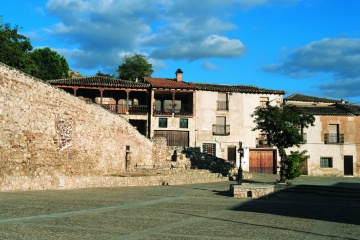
303, 98
98, 81
168, 83
355, 109
235, 88
332, 110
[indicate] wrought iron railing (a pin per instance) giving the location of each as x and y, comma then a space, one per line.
330, 138
219, 129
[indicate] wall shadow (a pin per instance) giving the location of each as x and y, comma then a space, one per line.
336, 203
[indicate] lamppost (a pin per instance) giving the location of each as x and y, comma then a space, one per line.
240, 171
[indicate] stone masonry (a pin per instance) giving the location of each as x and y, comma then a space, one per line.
48, 135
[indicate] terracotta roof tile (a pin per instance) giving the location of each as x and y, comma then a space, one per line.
98, 81
235, 88
332, 110
303, 98
168, 83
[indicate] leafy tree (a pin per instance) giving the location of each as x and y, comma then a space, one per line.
282, 126
101, 74
295, 162
14, 48
135, 67
49, 64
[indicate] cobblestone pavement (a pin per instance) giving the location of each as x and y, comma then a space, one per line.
198, 211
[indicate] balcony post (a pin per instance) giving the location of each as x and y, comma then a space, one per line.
127, 101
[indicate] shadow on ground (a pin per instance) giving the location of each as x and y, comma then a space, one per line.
336, 203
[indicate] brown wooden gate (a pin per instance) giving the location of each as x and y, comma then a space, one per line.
174, 138
262, 161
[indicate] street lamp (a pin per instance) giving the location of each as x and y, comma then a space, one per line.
240, 171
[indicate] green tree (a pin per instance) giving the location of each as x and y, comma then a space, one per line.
282, 127
134, 67
49, 64
101, 74
14, 48
294, 164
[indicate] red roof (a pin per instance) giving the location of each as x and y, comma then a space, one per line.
168, 83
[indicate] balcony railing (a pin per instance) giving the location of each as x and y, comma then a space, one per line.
183, 110
219, 129
333, 138
122, 109
223, 105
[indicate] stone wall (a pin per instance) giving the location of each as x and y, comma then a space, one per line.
48, 135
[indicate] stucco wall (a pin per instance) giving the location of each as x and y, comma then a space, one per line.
241, 106
316, 148
49, 134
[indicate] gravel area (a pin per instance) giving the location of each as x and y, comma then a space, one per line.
197, 211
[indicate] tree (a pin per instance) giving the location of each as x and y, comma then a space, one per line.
295, 162
282, 127
135, 67
101, 74
14, 48
49, 64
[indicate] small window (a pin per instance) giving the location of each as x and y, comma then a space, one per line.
183, 123
264, 101
162, 122
326, 162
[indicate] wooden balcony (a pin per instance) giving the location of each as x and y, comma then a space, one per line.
123, 109
184, 111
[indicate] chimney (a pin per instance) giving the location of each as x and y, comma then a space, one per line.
179, 75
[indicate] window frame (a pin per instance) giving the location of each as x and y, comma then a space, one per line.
181, 123
326, 162
163, 123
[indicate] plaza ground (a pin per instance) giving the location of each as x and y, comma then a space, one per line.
311, 208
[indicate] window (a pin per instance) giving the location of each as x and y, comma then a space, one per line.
326, 162
334, 135
162, 122
223, 101
183, 123
209, 148
264, 101
220, 128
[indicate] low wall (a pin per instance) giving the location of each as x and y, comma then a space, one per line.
176, 177
251, 190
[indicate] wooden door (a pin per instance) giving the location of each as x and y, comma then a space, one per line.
231, 153
262, 161
348, 165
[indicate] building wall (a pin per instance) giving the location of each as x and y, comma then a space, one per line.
316, 147
174, 122
49, 134
241, 106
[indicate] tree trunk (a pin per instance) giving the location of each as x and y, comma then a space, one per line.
282, 154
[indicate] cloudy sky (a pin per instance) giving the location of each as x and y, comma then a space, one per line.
309, 47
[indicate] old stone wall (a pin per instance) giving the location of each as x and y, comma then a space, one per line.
48, 135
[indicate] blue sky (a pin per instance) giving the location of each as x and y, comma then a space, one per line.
310, 47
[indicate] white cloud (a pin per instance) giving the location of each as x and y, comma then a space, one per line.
164, 29
339, 57
211, 46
